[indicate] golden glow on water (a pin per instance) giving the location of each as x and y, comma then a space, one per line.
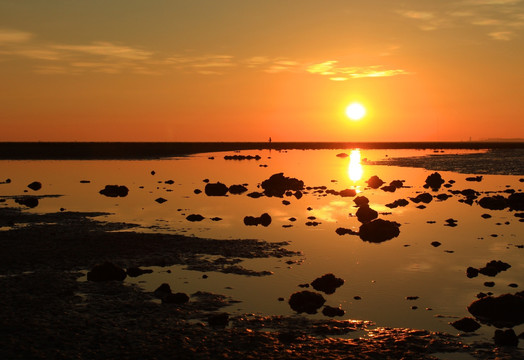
355, 170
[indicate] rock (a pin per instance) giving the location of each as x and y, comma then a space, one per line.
264, 220
434, 181
471, 272
360, 201
426, 198
474, 178
379, 230
242, 157
506, 338
114, 191
197, 191
278, 184
169, 182
486, 216
466, 324
397, 183
162, 291
342, 155
496, 202
285, 202
397, 203
443, 197
312, 223
255, 195
327, 283
343, 231
216, 218
451, 222
388, 188
374, 182
365, 214
306, 302
153, 172
195, 217
29, 201
216, 189
106, 272
348, 193
237, 189
218, 320
494, 267
516, 201
506, 310
489, 284
298, 194
35, 185
332, 311
160, 200
136, 271
177, 298
435, 244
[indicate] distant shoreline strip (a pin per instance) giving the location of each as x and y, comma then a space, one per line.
158, 150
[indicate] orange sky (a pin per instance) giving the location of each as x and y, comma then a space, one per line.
236, 70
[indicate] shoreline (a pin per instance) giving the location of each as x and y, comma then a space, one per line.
152, 150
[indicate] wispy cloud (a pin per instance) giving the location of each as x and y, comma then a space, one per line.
116, 58
14, 36
342, 73
500, 19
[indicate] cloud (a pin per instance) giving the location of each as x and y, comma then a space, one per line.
14, 36
106, 49
341, 73
500, 18
502, 35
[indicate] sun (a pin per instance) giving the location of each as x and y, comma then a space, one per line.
355, 111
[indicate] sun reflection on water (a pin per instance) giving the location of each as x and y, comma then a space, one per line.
355, 170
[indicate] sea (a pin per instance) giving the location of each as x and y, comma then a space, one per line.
414, 280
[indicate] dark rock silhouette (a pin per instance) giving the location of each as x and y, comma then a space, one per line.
379, 230
216, 189
298, 194
506, 310
443, 197
106, 272
397, 203
160, 200
451, 222
278, 184
195, 217
218, 320
197, 191
506, 338
365, 214
360, 201
306, 302
343, 231
474, 178
255, 194
176, 298
327, 283
332, 311
497, 202
264, 220
466, 324
29, 201
426, 198
434, 181
516, 201
375, 182
136, 271
35, 185
494, 267
162, 291
237, 189
169, 182
471, 272
115, 191
242, 157
347, 193
435, 243
342, 155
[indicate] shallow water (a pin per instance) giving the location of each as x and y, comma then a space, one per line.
383, 274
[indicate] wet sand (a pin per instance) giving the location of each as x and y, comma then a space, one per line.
48, 313
145, 150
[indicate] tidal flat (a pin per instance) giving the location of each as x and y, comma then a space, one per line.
396, 295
